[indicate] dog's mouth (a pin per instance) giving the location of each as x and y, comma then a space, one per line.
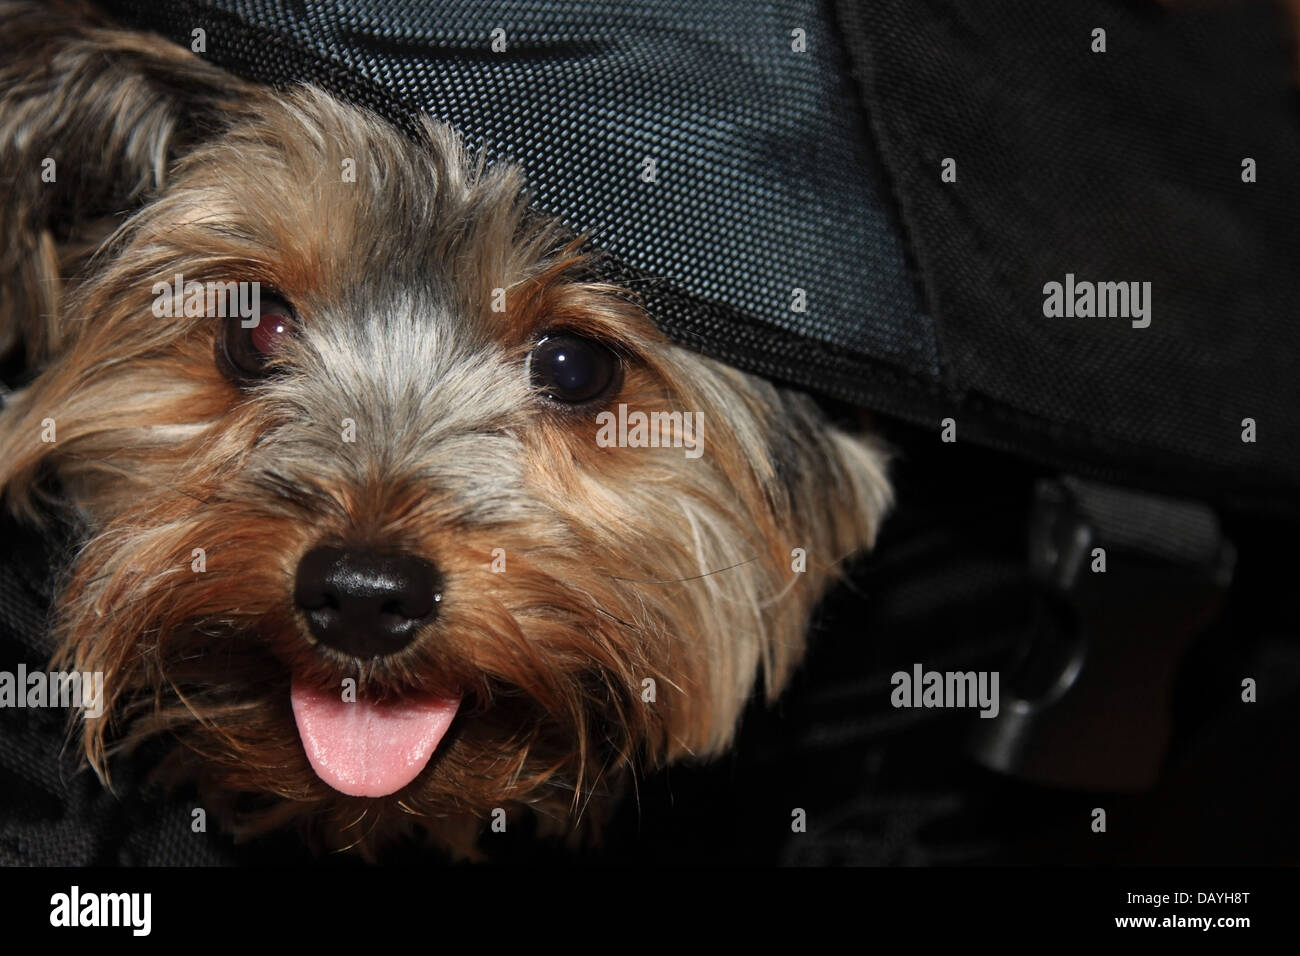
368, 748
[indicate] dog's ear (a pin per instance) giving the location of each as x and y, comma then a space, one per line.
91, 116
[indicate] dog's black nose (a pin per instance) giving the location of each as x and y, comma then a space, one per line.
364, 603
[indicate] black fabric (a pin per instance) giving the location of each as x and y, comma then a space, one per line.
780, 170
1123, 165
53, 810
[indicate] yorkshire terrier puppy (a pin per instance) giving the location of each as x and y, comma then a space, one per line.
399, 541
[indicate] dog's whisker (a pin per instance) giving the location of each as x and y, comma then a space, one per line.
627, 624
688, 578
112, 465
294, 491
595, 783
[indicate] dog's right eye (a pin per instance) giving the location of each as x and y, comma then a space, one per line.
245, 354
573, 369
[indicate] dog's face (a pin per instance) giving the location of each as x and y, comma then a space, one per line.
368, 554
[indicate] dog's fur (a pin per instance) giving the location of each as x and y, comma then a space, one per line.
622, 563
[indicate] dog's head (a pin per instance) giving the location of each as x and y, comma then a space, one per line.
393, 514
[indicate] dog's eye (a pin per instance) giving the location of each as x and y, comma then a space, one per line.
245, 354
572, 369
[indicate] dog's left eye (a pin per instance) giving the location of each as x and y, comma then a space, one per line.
572, 369
245, 354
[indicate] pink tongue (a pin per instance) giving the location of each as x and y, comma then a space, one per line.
366, 749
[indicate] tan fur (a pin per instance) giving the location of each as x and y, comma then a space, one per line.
624, 563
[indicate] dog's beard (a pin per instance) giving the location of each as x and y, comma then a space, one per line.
547, 677
644, 592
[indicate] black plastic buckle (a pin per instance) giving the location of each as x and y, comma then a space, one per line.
1126, 581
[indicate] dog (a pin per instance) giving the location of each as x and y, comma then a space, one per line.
414, 523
